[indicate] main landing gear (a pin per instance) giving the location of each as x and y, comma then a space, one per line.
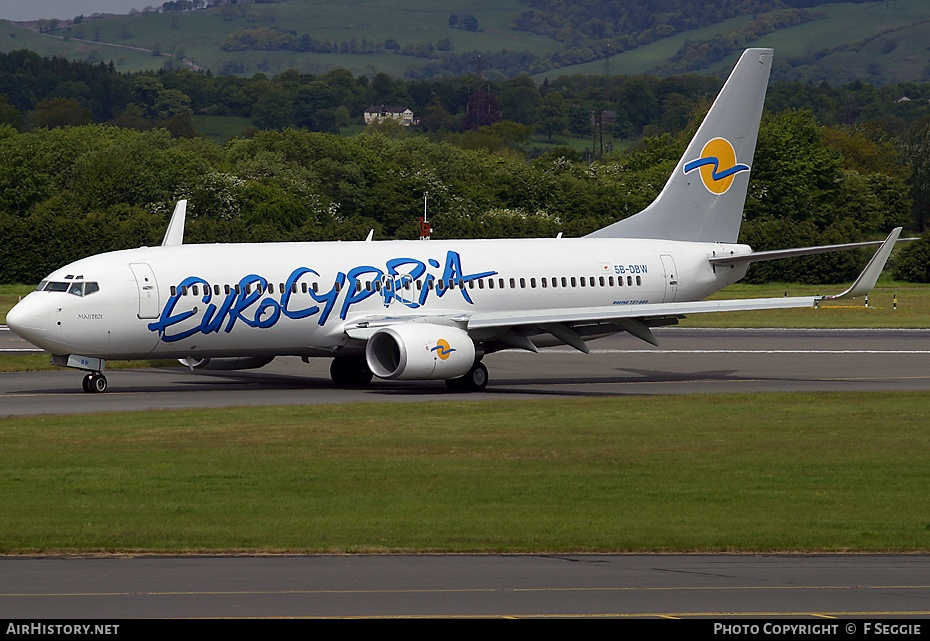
350, 371
94, 383
475, 380
353, 371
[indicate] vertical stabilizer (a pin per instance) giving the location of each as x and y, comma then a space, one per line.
704, 197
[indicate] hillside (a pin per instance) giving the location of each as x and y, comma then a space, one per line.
877, 42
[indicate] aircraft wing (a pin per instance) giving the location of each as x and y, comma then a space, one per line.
634, 319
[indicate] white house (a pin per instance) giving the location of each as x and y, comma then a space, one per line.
402, 115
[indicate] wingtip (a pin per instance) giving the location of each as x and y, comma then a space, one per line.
869, 276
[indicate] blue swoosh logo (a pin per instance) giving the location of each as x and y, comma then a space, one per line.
716, 174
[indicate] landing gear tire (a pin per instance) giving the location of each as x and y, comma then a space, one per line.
474, 381
350, 372
94, 383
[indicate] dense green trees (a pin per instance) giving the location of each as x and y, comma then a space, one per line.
73, 191
850, 167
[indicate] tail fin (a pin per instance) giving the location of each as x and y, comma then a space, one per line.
703, 199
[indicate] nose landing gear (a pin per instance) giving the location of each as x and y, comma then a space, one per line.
94, 383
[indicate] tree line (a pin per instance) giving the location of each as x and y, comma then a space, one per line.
82, 175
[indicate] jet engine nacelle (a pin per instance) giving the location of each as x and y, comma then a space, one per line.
229, 363
420, 351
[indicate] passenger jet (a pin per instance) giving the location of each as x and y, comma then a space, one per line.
428, 309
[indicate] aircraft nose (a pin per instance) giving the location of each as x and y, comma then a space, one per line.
29, 319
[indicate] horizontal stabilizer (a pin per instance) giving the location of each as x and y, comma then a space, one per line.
778, 254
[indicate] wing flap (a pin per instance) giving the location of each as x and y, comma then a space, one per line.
483, 320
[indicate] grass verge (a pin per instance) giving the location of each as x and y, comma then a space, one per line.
770, 472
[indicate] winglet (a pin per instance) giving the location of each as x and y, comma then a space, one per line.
175, 233
869, 275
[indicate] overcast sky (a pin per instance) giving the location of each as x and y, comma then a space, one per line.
34, 9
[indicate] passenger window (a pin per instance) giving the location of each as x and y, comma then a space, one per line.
639, 280
533, 283
184, 290
582, 282
543, 282
174, 290
564, 282
490, 283
629, 281
195, 290
522, 283
574, 282
271, 288
226, 289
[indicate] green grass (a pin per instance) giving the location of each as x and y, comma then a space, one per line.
913, 307
125, 59
220, 129
200, 34
646, 58
770, 472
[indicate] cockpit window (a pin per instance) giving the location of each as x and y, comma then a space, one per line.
76, 288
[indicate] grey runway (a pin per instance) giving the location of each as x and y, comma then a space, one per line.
513, 586
619, 586
687, 361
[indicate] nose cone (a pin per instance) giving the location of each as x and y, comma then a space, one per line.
29, 319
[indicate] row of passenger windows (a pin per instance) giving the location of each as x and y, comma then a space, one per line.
429, 283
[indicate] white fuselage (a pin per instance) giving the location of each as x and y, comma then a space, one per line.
197, 301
